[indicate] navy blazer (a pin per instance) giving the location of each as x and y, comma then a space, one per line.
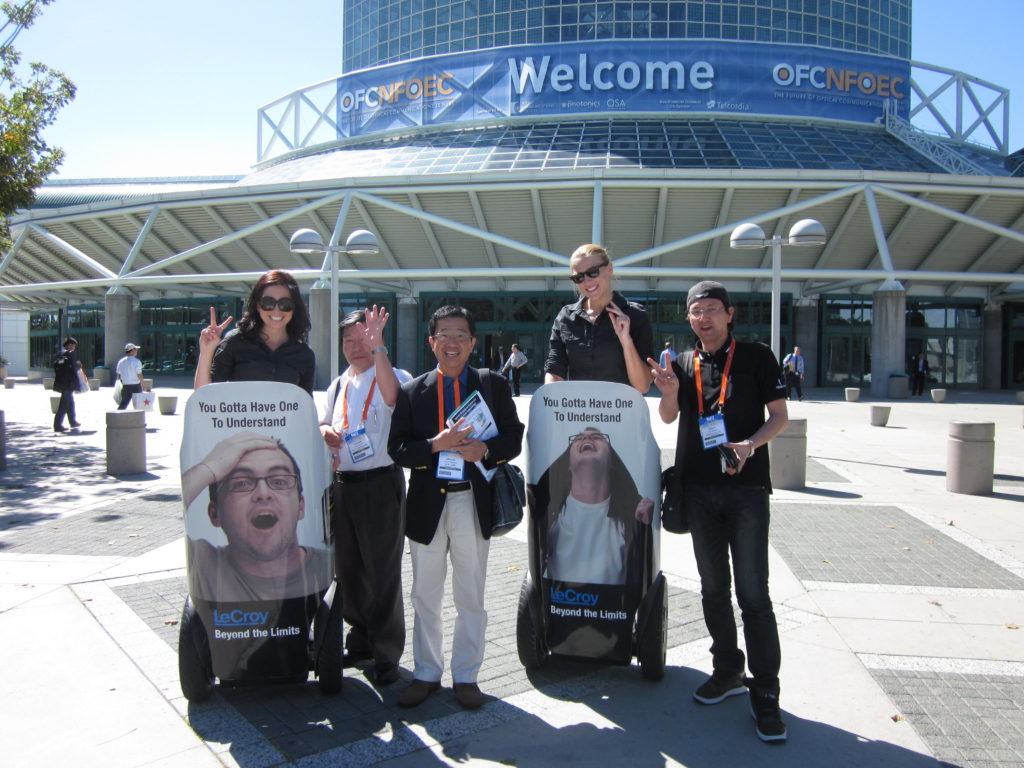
414, 422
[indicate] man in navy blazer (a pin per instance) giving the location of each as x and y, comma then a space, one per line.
448, 507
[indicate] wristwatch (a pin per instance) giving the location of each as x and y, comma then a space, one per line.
752, 447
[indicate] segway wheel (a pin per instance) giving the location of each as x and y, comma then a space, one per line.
195, 670
327, 643
529, 631
653, 640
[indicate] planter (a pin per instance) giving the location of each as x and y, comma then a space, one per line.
167, 404
94, 384
147, 385
54, 403
880, 415
852, 394
48, 382
1020, 396
8, 383
938, 395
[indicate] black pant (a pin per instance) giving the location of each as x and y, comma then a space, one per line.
127, 390
793, 380
368, 520
917, 383
517, 374
66, 407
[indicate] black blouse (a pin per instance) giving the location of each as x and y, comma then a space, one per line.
239, 359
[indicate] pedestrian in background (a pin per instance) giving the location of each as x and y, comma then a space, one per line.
65, 381
129, 373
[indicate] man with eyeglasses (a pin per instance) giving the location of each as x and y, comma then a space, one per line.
721, 391
368, 495
448, 509
255, 498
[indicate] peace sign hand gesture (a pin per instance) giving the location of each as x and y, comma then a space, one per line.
210, 336
664, 378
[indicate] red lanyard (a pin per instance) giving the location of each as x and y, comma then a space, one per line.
344, 400
725, 380
440, 398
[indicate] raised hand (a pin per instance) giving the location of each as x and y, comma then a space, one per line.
620, 320
664, 377
210, 336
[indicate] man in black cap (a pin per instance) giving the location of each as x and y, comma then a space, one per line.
722, 390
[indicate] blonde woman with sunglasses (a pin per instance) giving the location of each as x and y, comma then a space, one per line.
601, 337
269, 343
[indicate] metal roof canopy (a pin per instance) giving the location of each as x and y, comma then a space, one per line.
503, 231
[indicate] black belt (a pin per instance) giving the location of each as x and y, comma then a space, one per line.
465, 485
358, 477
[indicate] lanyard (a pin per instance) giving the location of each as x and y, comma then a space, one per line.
440, 398
344, 400
725, 380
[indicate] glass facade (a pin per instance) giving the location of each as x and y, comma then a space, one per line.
950, 335
379, 32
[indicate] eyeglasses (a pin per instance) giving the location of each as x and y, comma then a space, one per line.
267, 304
589, 436
579, 277
458, 338
706, 312
248, 483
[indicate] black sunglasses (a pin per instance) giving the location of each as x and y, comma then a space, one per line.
267, 304
579, 277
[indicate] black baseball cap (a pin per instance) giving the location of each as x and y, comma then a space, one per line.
708, 289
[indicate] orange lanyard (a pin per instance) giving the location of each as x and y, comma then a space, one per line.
440, 398
344, 400
725, 380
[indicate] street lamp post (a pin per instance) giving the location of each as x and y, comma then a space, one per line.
749, 235
360, 243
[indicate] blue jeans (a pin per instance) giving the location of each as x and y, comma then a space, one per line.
734, 519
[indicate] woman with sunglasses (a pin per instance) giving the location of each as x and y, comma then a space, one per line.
601, 337
269, 343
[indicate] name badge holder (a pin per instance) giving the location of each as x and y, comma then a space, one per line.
450, 464
712, 428
357, 441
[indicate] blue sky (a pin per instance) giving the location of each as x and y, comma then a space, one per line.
173, 88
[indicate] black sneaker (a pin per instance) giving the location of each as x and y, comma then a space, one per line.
764, 707
719, 687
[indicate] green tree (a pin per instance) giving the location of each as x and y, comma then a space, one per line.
30, 98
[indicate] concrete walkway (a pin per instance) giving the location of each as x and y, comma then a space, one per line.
900, 607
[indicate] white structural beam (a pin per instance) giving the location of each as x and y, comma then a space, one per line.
84, 259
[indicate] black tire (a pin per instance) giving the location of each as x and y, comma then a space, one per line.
652, 641
327, 643
195, 670
529, 630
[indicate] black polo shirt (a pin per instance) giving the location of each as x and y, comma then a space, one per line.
584, 351
754, 381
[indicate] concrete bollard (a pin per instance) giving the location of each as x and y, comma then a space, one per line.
54, 404
103, 374
167, 404
48, 382
789, 456
880, 415
94, 384
3, 442
8, 383
147, 385
126, 442
852, 394
970, 457
1020, 396
938, 395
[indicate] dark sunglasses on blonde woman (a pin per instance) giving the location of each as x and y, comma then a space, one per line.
579, 277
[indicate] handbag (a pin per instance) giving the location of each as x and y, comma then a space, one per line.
118, 387
673, 515
508, 491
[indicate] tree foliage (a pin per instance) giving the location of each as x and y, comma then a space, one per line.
30, 98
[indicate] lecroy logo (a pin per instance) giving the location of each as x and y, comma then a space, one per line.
572, 597
239, 618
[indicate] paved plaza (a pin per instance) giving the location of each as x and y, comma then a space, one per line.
900, 607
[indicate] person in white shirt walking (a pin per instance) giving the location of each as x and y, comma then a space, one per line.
129, 373
793, 366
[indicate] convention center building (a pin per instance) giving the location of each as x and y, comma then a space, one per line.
482, 141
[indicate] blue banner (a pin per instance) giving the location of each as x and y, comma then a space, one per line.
660, 77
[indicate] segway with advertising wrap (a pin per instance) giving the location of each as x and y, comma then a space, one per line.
255, 484
594, 591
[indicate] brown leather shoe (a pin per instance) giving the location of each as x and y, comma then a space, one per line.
468, 695
417, 693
